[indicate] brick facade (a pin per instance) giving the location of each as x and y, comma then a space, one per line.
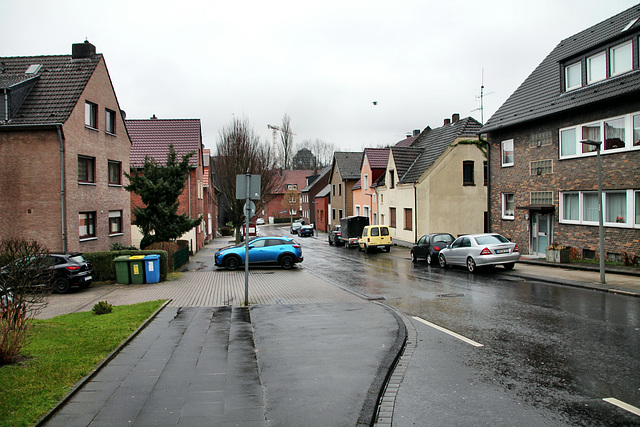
620, 171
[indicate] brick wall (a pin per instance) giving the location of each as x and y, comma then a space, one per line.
619, 171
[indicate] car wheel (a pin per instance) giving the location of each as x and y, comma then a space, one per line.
442, 260
509, 266
61, 285
330, 242
286, 262
414, 258
359, 248
388, 249
231, 263
429, 260
471, 265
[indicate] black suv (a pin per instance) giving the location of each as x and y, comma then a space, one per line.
335, 236
70, 269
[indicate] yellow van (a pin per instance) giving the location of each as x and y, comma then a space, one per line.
375, 237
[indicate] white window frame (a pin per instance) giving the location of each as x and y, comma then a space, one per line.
578, 151
630, 212
357, 210
365, 182
601, 67
567, 71
563, 219
91, 115
109, 121
502, 153
612, 58
504, 206
636, 209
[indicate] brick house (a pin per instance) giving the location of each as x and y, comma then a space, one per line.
152, 137
294, 180
315, 183
210, 205
345, 172
322, 209
543, 180
63, 147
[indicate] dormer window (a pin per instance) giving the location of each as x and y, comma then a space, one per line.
621, 58
596, 68
573, 76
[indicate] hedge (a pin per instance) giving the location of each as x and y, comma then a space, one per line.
104, 268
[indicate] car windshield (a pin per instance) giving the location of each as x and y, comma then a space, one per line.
491, 239
446, 238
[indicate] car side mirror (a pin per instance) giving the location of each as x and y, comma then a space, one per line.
251, 246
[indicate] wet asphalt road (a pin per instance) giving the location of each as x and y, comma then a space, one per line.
549, 353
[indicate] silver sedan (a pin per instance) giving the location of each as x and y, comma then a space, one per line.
479, 250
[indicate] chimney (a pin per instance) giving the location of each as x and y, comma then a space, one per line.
416, 132
455, 117
82, 50
447, 122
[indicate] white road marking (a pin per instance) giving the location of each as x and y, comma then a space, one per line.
446, 331
621, 404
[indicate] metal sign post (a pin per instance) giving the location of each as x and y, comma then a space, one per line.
247, 188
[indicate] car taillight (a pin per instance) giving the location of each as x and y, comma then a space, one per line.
516, 249
437, 248
296, 246
338, 234
72, 267
485, 251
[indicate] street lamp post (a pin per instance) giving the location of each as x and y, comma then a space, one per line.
598, 145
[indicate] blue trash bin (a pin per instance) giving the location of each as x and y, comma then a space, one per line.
152, 268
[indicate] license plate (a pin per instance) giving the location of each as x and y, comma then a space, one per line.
502, 251
88, 278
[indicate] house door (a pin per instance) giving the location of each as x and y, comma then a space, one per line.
541, 232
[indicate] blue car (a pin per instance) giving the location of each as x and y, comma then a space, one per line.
262, 250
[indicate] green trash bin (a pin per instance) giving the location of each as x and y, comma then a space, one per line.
136, 269
122, 269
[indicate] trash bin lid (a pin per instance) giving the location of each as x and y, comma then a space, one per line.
136, 257
152, 256
121, 258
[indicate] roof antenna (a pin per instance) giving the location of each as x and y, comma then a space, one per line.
481, 97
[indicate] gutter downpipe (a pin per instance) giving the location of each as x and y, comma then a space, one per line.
488, 225
415, 204
62, 190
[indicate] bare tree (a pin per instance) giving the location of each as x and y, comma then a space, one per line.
286, 139
239, 150
322, 150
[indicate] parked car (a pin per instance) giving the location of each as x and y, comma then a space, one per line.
306, 230
429, 246
260, 221
375, 237
69, 270
335, 236
295, 227
262, 250
352, 227
479, 250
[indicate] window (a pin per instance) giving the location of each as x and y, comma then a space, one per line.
615, 209
333, 214
392, 217
507, 153
365, 184
568, 142
339, 189
110, 121
573, 76
115, 173
590, 207
392, 179
637, 209
91, 115
408, 219
334, 189
570, 206
357, 210
366, 211
621, 59
508, 206
87, 225
614, 133
542, 197
636, 130
485, 167
591, 132
339, 213
86, 169
596, 68
467, 172
115, 222
541, 138
541, 167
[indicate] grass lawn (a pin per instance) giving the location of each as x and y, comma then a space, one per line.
62, 351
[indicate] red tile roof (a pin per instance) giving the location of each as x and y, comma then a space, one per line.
152, 138
377, 157
298, 177
407, 141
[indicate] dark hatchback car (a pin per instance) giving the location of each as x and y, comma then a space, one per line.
335, 236
69, 270
305, 231
429, 246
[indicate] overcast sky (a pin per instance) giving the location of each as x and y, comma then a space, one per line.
322, 63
